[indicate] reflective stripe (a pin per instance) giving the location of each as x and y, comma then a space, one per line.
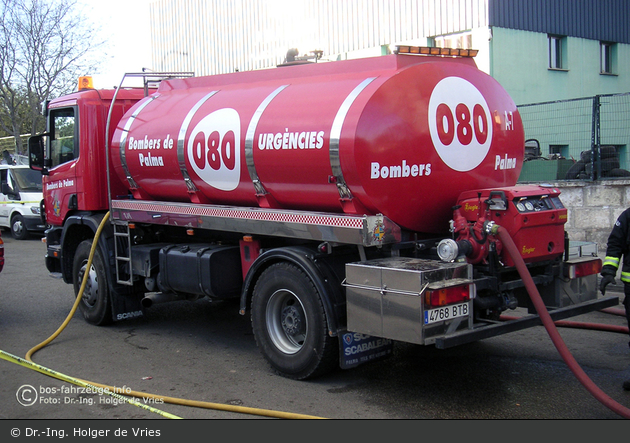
18, 202
612, 261
625, 277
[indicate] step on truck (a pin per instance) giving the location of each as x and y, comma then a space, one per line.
348, 205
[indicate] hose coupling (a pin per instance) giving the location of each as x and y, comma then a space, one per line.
491, 228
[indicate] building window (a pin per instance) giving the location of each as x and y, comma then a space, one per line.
558, 151
608, 53
557, 52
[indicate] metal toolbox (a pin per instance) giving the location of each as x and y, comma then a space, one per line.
384, 296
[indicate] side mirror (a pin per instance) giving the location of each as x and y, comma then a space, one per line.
37, 153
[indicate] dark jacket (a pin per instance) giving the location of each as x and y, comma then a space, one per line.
618, 248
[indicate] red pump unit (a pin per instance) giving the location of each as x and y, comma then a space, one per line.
534, 217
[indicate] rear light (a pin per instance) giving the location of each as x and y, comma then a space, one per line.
583, 267
446, 295
1, 254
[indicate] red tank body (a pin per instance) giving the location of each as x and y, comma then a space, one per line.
398, 135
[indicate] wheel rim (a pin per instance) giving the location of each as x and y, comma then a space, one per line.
90, 292
17, 227
286, 321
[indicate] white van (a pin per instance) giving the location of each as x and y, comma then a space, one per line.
20, 200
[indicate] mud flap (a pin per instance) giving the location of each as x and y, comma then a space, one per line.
125, 306
356, 348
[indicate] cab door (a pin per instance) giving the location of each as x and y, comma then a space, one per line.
60, 183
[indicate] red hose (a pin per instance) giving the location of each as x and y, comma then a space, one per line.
596, 326
614, 311
549, 325
581, 325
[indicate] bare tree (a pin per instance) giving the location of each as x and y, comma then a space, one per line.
46, 46
11, 97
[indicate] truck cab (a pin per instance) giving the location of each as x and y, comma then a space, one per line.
20, 201
70, 157
71, 154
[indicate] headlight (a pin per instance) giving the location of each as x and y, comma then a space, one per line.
35, 210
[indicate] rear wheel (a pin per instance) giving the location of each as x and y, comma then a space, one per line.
289, 323
95, 302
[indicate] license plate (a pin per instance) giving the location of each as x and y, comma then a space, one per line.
446, 313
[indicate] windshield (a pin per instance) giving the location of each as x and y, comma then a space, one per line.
28, 180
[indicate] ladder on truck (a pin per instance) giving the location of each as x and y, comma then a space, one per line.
122, 252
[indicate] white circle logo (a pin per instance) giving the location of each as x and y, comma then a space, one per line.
460, 123
26, 395
214, 149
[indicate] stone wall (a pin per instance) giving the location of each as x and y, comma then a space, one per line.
593, 208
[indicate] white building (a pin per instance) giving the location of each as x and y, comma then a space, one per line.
220, 36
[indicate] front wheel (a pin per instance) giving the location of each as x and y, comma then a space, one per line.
95, 302
289, 323
18, 227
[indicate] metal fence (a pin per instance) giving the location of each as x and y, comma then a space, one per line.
579, 139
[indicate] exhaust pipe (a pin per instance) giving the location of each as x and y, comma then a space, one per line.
154, 298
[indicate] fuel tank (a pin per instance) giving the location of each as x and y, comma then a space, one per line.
398, 135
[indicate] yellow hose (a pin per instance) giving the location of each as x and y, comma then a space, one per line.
47, 371
137, 394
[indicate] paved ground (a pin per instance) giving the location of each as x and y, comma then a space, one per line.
205, 351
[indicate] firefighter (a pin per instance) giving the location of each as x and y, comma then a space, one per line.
618, 249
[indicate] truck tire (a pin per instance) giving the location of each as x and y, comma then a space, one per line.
617, 172
289, 324
607, 165
18, 227
574, 171
95, 303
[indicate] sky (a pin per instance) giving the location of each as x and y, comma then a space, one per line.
125, 24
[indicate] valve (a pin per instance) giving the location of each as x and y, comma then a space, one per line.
471, 240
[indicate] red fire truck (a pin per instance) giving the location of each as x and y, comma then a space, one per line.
348, 204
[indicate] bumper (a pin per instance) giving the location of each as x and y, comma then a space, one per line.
53, 263
494, 329
34, 224
53, 249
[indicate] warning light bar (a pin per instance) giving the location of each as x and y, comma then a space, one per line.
429, 50
85, 82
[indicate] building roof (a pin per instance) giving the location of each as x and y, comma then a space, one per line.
604, 20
